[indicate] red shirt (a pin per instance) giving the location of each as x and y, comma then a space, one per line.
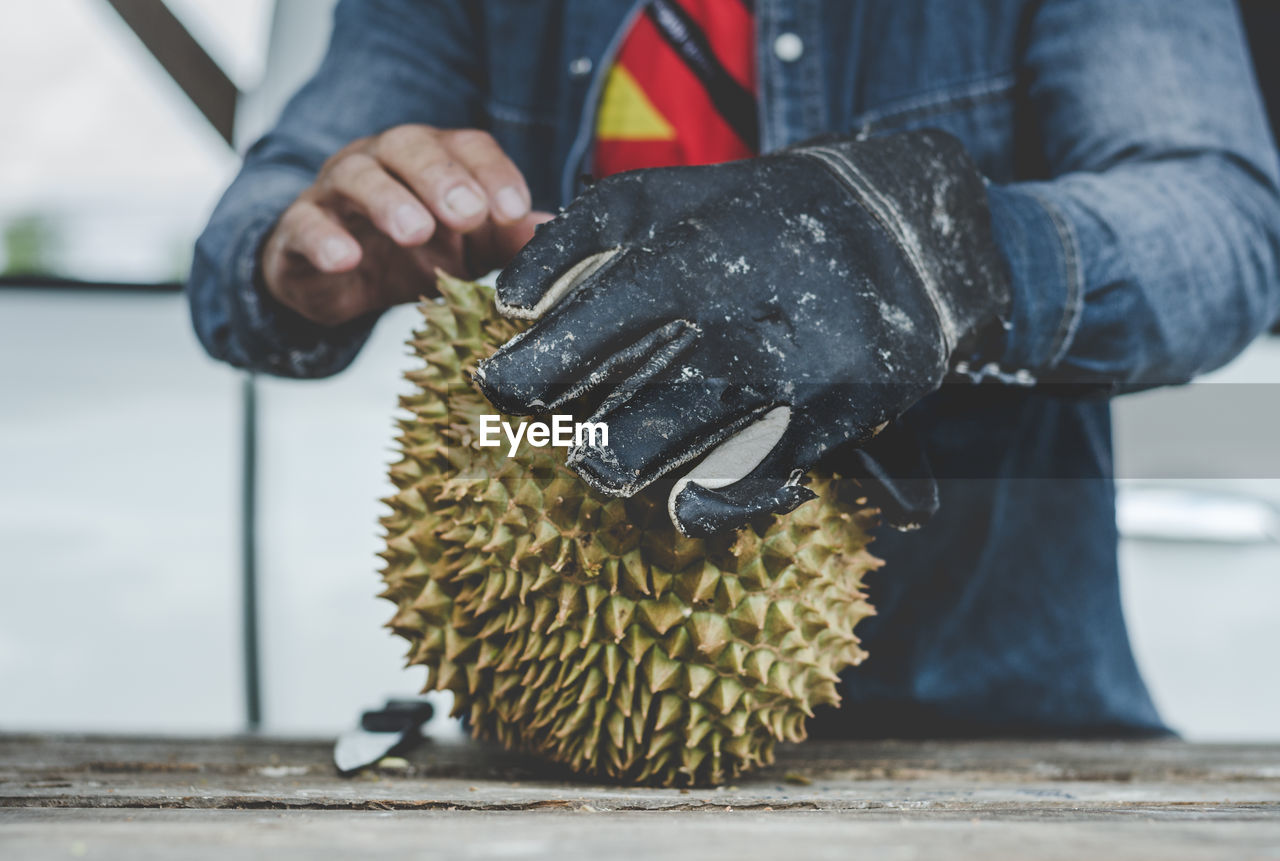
682, 88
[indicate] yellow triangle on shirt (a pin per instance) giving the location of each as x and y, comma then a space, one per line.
627, 114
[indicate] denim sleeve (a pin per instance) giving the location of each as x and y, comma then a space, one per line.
1152, 254
390, 62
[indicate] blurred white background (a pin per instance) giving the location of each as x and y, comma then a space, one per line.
101, 147
119, 439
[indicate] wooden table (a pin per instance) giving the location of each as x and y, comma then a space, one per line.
114, 797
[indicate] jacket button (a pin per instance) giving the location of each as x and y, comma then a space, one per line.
788, 47
580, 67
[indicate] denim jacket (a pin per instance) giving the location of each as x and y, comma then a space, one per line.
1135, 196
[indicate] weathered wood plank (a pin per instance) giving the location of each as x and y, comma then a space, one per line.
119, 797
37, 835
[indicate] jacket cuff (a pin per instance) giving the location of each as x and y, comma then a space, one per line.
1040, 251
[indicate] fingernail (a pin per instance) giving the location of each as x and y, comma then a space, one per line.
511, 202
409, 221
463, 201
335, 252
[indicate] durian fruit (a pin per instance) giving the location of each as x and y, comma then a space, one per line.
587, 629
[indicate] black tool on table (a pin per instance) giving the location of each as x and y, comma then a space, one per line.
393, 730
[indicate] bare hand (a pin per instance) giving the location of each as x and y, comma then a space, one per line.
386, 211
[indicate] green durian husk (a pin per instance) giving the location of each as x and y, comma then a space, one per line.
586, 629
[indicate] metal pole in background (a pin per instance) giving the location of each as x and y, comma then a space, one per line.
298, 35
299, 32
249, 554
216, 96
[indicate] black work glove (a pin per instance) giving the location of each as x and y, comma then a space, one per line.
765, 311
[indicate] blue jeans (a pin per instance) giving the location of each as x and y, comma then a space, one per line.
1134, 192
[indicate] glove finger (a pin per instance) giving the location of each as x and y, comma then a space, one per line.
756, 471
668, 418
561, 256
617, 212
595, 336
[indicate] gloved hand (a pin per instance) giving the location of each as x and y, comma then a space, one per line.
759, 312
